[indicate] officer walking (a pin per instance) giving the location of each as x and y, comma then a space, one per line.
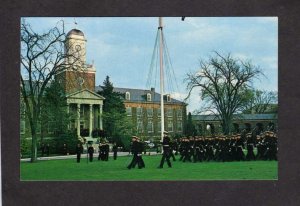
134, 151
79, 151
91, 152
115, 150
166, 151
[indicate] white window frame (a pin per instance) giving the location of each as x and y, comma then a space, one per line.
159, 125
149, 98
139, 125
159, 112
139, 114
150, 114
127, 111
179, 126
150, 126
170, 129
168, 98
127, 95
170, 112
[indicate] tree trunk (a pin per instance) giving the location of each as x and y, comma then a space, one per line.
33, 142
226, 125
34, 148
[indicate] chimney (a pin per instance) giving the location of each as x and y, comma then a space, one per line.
152, 89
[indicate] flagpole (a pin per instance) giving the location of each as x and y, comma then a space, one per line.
161, 77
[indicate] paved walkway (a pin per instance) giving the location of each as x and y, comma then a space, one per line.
82, 156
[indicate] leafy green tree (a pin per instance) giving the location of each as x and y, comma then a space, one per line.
54, 113
261, 102
224, 84
115, 122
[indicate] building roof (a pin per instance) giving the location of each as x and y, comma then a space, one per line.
75, 32
235, 116
140, 95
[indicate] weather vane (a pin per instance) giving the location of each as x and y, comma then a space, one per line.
75, 23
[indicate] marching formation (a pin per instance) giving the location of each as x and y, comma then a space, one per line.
239, 147
233, 148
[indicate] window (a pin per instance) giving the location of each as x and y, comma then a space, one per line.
170, 112
159, 125
168, 98
22, 126
150, 126
128, 111
170, 125
179, 126
179, 114
148, 97
139, 111
149, 112
159, 112
140, 125
127, 96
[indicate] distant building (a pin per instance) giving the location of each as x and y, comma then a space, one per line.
240, 121
143, 109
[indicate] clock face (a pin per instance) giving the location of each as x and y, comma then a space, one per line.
77, 47
80, 81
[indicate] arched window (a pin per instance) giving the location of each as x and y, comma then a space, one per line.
168, 98
127, 96
148, 97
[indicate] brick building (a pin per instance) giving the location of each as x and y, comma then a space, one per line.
143, 109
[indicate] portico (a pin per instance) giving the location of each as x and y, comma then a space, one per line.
85, 109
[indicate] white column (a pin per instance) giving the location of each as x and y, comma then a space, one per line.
78, 120
91, 120
101, 126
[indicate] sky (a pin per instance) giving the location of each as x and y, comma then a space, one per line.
122, 47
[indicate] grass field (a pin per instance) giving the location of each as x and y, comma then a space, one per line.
115, 170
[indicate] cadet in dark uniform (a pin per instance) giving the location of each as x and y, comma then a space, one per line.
166, 151
91, 152
100, 150
250, 146
47, 150
134, 151
106, 151
140, 149
172, 148
115, 150
65, 149
79, 151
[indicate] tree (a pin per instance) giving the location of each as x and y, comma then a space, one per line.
262, 102
115, 122
190, 127
224, 83
42, 57
54, 113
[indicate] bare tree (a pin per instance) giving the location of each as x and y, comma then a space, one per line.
224, 83
42, 57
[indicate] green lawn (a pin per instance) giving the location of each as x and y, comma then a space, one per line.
116, 170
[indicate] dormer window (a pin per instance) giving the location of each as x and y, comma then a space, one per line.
127, 96
168, 98
148, 97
